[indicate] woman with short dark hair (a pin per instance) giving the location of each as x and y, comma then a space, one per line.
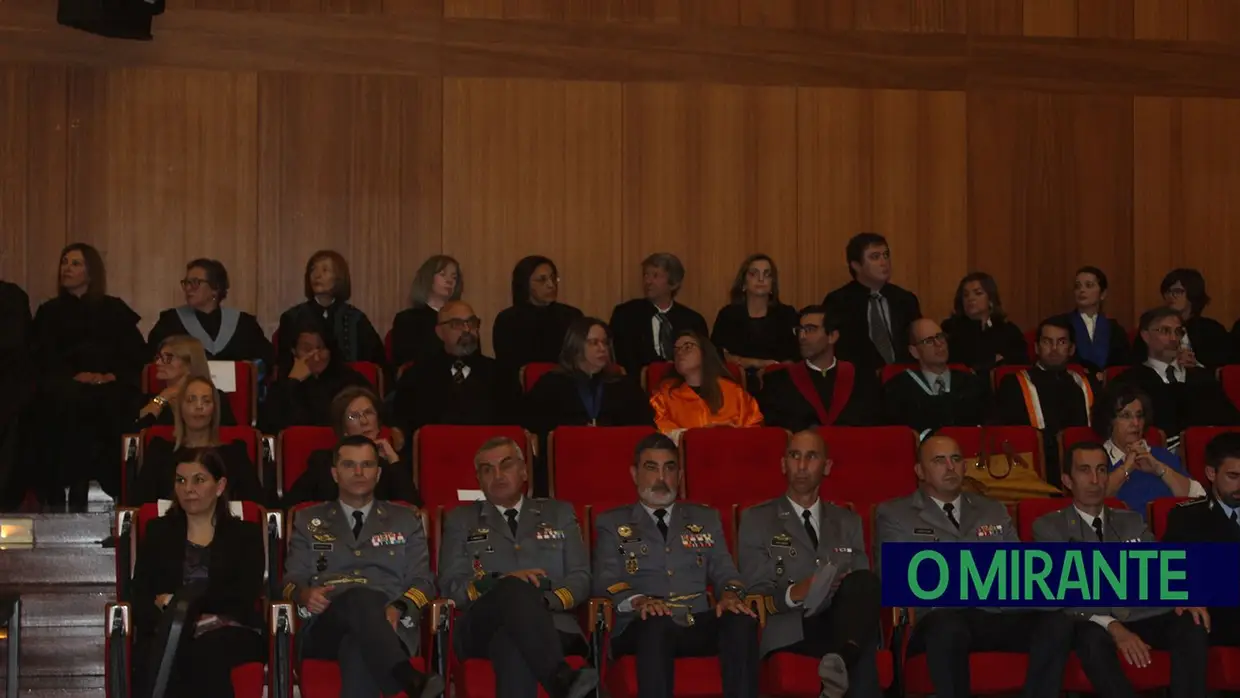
227, 334
1205, 342
1100, 340
979, 335
532, 328
328, 286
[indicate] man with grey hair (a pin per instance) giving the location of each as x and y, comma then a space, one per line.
644, 327
655, 560
517, 568
457, 386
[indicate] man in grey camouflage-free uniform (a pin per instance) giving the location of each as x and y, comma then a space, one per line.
517, 568
359, 571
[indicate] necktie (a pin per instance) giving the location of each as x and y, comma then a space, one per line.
358, 519
809, 528
458, 372
880, 334
1098, 528
665, 336
660, 514
948, 509
1171, 374
1235, 517
511, 515
940, 386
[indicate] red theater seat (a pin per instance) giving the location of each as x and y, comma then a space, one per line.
531, 373
1224, 671
243, 401
787, 675
1114, 372
870, 464
696, 677
1143, 679
590, 465
1229, 377
1157, 512
371, 372
443, 458
991, 673
1193, 450
475, 678
321, 679
725, 466
1030, 510
653, 374
295, 445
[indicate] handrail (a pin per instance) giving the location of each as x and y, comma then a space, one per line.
13, 623
116, 638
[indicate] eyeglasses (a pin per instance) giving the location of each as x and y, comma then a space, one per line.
685, 348
165, 357
939, 338
459, 324
1169, 331
192, 284
553, 280
806, 329
368, 413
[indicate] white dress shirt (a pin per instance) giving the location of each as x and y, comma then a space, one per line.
1091, 323
815, 513
931, 377
812, 367
1181, 374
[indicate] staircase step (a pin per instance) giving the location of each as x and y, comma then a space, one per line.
70, 529
62, 605
59, 652
54, 564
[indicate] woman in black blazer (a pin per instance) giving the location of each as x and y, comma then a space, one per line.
196, 415
356, 411
979, 335
755, 330
199, 543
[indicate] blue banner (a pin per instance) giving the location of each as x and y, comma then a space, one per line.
1060, 575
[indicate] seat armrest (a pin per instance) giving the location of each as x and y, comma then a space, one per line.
600, 610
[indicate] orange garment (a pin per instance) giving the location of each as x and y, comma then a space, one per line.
681, 408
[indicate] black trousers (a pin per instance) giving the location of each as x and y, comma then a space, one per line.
355, 632
849, 628
1188, 643
79, 426
657, 642
203, 665
511, 626
947, 635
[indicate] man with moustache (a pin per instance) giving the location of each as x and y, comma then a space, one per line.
1048, 396
655, 560
932, 395
1133, 631
457, 386
517, 569
940, 511
841, 627
1214, 519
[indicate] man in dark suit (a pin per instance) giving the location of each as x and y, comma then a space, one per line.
1214, 519
874, 314
458, 386
644, 328
1048, 396
932, 395
820, 390
1103, 634
1184, 394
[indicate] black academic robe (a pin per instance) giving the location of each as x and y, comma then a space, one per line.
1063, 406
783, 403
1108, 347
413, 335
556, 401
317, 485
355, 337
79, 423
17, 383
528, 333
849, 305
307, 402
772, 336
243, 338
633, 331
157, 478
1203, 521
428, 394
976, 346
1197, 402
1211, 343
965, 404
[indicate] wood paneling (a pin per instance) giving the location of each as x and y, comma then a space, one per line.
1019, 137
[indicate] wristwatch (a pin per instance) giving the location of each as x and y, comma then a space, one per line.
160, 400
735, 589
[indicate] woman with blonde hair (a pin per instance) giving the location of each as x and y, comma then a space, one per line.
438, 281
196, 426
179, 358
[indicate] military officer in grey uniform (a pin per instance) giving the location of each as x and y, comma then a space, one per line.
359, 571
1133, 631
656, 560
788, 541
517, 567
941, 511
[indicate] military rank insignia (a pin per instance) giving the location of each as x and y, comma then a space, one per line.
479, 571
546, 532
316, 531
389, 538
630, 565
624, 531
695, 538
989, 530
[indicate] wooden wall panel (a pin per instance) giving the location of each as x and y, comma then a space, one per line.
1186, 182
1050, 190
888, 161
710, 176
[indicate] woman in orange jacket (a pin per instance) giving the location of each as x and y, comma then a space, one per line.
700, 392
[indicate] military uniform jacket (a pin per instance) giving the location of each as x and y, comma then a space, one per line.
1204, 521
390, 554
478, 547
631, 558
918, 519
776, 552
1118, 526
